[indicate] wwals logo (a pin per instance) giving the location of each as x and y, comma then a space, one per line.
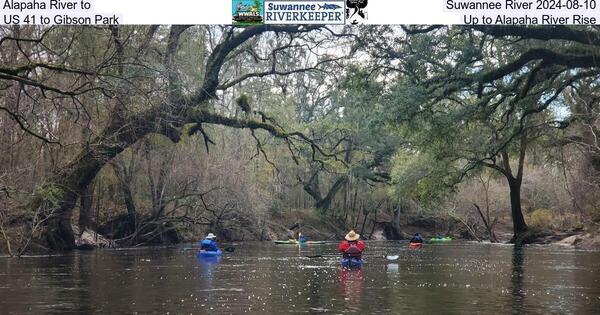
247, 12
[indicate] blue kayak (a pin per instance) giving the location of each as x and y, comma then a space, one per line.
352, 262
209, 253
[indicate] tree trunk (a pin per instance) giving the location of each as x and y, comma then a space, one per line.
158, 184
59, 232
396, 223
125, 170
514, 184
486, 222
78, 175
125, 184
128, 198
325, 203
85, 208
312, 187
364, 222
519, 225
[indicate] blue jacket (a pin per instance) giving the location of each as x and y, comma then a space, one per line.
416, 239
208, 244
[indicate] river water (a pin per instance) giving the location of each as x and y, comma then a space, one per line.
262, 278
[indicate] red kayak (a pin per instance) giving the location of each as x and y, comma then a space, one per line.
415, 245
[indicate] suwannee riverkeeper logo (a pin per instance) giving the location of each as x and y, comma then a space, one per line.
251, 12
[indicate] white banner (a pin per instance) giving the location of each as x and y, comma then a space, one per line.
483, 12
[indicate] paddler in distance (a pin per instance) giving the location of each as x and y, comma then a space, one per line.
416, 238
209, 244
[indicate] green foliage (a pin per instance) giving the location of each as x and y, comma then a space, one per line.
243, 102
416, 176
50, 192
276, 207
453, 128
49, 196
541, 218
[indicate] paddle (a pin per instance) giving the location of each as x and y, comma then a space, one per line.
314, 256
229, 249
392, 257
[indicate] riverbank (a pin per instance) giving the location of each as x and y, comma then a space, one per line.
583, 239
321, 228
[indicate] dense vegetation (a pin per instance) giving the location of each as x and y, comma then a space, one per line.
146, 133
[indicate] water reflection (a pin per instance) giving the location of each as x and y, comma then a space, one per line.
208, 264
516, 280
259, 278
352, 283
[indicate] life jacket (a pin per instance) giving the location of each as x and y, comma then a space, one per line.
416, 239
207, 244
352, 251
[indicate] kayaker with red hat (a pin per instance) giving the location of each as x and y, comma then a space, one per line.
351, 248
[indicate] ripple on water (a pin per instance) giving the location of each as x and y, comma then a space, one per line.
273, 258
316, 267
222, 289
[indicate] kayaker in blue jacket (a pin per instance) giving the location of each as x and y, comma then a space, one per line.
416, 238
209, 244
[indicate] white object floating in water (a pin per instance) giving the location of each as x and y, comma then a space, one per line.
392, 257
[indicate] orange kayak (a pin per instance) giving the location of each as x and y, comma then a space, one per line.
415, 245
